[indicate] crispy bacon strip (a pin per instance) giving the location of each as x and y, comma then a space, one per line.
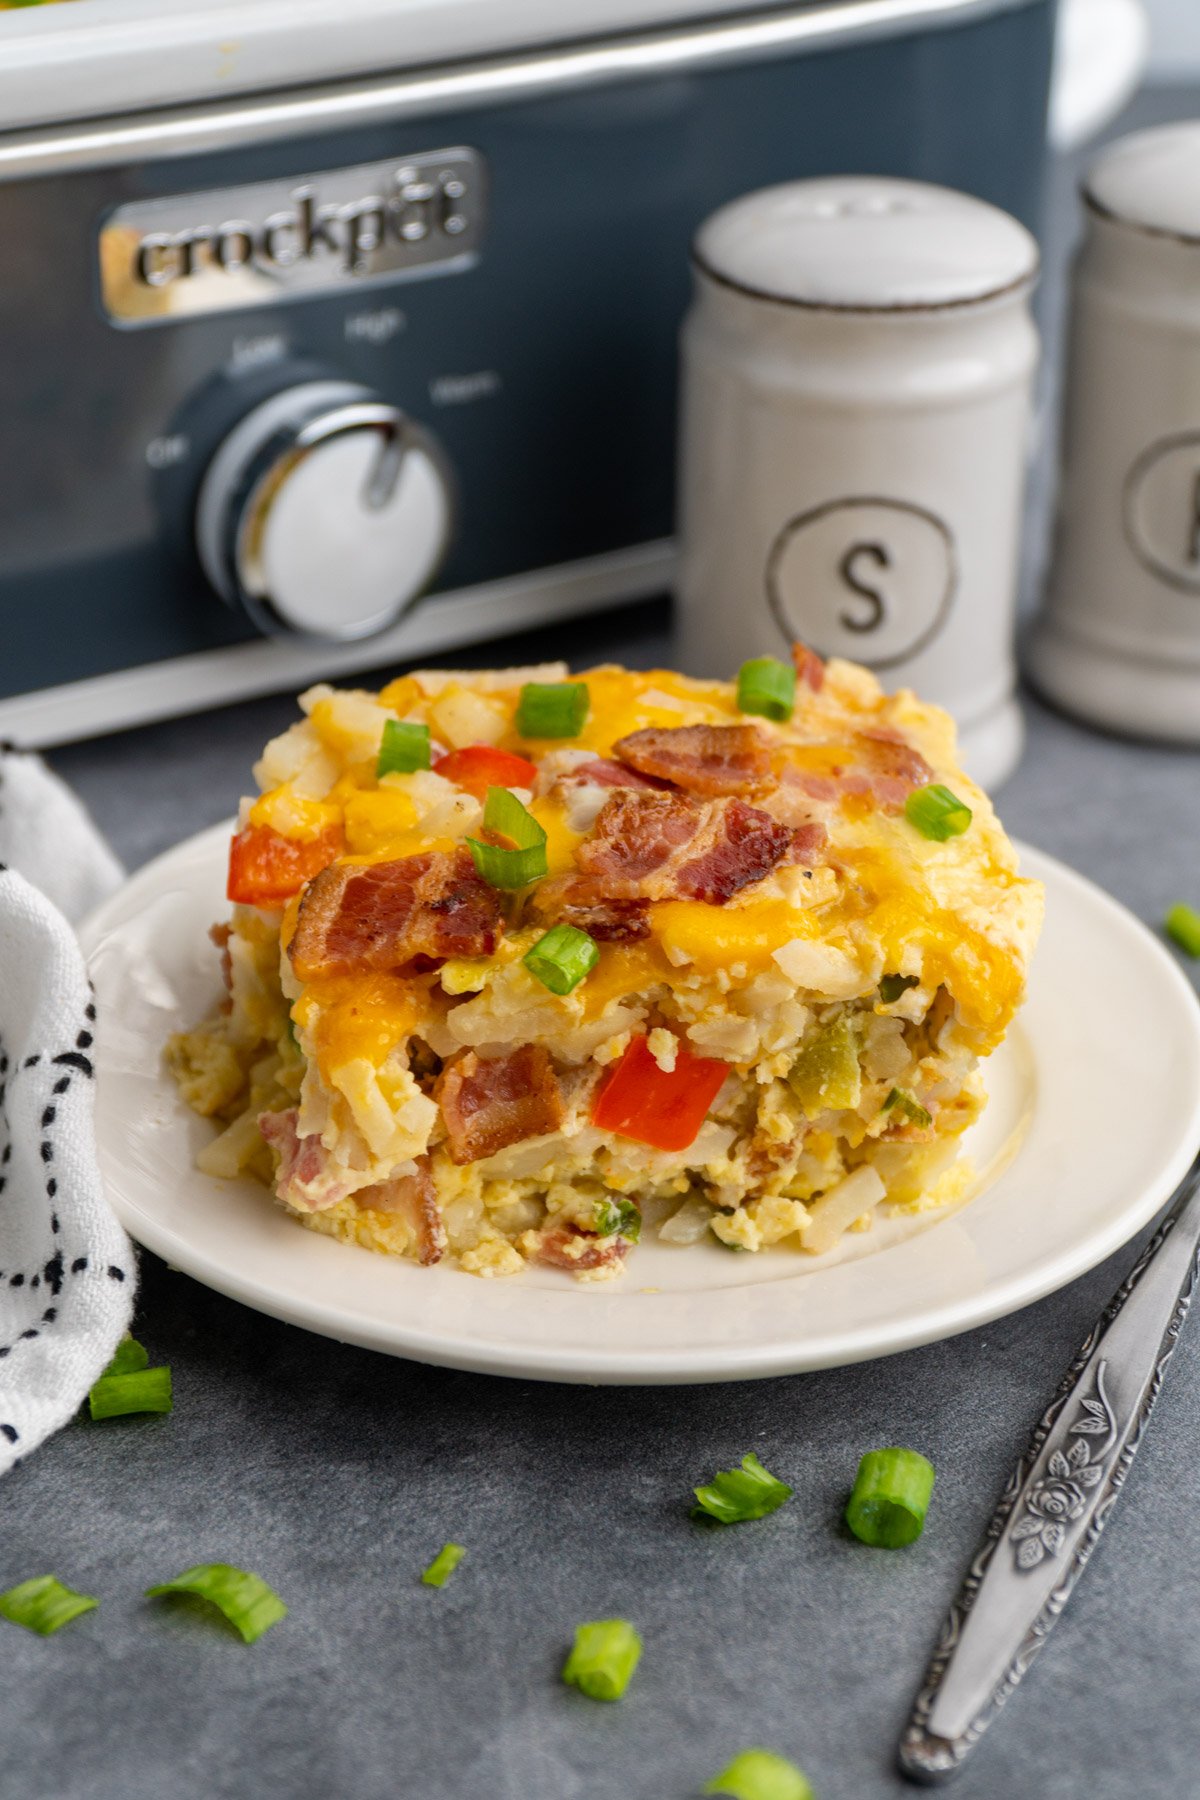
807, 843
636, 834
665, 846
809, 667
896, 766
604, 772
704, 759
307, 1177
749, 846
879, 765
556, 1247
572, 900
357, 917
489, 1103
415, 1197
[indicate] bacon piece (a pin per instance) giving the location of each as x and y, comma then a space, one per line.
634, 835
807, 843
705, 759
357, 917
415, 1197
750, 845
489, 1103
565, 1249
604, 772
665, 846
307, 1176
809, 667
877, 764
572, 901
896, 766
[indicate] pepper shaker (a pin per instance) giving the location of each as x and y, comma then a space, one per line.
857, 370
1119, 639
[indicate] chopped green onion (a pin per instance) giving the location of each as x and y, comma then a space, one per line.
761, 1775
606, 1653
141, 1391
937, 813
443, 1565
552, 709
767, 687
892, 986
619, 1218
43, 1604
245, 1599
750, 1492
403, 748
562, 958
899, 1100
504, 815
891, 1497
1182, 924
128, 1357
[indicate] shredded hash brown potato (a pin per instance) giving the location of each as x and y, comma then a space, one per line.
780, 1033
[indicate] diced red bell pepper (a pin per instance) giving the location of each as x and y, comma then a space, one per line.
481, 766
266, 868
640, 1100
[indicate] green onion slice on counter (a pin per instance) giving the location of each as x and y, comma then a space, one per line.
128, 1357
767, 687
504, 815
552, 709
562, 958
890, 1499
734, 1495
443, 1565
605, 1655
902, 1102
618, 1218
403, 748
937, 813
761, 1775
138, 1391
44, 1605
245, 1599
1182, 924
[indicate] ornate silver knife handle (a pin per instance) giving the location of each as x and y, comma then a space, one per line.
1056, 1503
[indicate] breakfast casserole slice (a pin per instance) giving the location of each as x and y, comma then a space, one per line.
517, 961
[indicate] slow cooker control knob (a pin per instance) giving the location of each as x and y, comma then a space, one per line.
325, 512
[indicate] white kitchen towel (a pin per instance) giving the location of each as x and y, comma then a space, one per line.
67, 1271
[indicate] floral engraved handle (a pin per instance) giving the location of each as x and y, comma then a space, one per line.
1060, 1497
1057, 1500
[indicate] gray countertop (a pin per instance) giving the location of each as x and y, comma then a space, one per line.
337, 1473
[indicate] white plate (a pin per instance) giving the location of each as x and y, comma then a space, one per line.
1094, 1116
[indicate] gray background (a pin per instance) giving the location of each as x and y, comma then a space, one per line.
337, 1474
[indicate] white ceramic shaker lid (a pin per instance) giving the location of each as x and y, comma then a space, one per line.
864, 243
1152, 180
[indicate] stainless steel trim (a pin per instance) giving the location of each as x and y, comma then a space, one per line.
187, 131
181, 684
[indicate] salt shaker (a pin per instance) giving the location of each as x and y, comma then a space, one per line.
857, 370
1119, 640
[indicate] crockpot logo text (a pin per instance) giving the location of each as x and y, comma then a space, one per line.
417, 214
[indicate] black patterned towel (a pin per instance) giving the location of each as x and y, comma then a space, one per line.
66, 1267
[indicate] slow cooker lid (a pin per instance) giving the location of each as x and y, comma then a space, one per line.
103, 58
